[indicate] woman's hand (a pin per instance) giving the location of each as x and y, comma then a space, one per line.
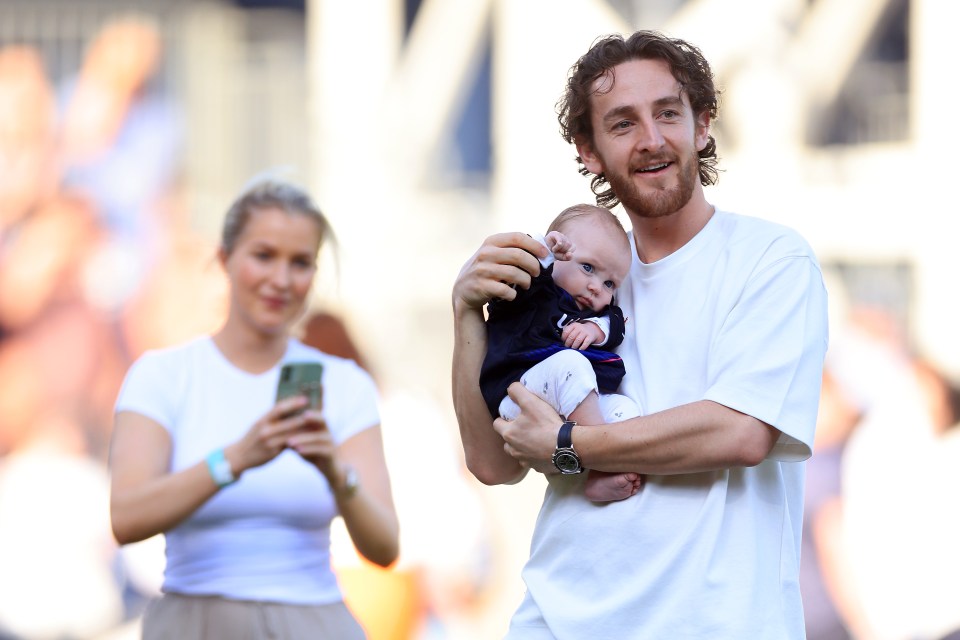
147, 499
271, 434
315, 444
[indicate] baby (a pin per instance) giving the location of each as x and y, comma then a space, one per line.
557, 336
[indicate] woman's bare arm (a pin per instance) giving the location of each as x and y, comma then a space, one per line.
369, 513
145, 499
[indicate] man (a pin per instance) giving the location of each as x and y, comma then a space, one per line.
724, 353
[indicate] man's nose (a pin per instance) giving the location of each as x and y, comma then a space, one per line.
649, 137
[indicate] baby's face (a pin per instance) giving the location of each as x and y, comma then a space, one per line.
599, 264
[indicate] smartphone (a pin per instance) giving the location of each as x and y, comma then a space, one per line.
301, 379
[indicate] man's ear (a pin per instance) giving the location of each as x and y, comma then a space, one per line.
588, 156
702, 130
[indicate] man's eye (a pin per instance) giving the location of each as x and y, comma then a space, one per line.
623, 124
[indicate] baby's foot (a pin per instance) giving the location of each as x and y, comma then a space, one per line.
608, 487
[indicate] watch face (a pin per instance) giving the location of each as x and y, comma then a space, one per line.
566, 462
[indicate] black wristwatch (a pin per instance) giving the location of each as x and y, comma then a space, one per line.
565, 458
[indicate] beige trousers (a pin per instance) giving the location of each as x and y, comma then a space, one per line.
180, 617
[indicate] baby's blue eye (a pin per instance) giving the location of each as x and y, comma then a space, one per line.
609, 285
588, 267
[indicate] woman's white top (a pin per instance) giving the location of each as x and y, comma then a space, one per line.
267, 536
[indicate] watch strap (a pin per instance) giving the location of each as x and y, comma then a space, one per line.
350, 484
565, 458
565, 435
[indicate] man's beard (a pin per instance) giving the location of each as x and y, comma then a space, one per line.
662, 202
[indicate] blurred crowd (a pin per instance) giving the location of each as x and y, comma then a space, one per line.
92, 245
881, 547
98, 262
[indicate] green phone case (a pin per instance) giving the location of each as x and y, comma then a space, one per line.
301, 379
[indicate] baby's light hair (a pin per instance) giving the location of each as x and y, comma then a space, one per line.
578, 211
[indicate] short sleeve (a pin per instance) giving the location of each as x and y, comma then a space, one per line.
768, 358
150, 388
350, 399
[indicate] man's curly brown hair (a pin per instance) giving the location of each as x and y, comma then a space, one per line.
688, 66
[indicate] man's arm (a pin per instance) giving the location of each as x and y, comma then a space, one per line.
502, 262
700, 436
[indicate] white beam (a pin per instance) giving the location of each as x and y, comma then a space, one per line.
429, 85
831, 38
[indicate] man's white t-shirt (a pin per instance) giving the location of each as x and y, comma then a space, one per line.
737, 316
267, 536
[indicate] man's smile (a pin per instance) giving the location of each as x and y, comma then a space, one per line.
653, 168
656, 167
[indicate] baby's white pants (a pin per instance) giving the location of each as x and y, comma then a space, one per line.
563, 380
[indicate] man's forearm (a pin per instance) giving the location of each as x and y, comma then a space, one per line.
482, 446
701, 436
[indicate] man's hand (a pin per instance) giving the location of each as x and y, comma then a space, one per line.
561, 246
580, 335
502, 262
531, 438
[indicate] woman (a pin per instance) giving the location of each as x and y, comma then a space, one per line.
244, 488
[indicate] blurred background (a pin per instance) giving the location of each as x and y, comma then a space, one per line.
422, 126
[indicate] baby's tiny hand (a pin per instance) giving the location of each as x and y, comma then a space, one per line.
580, 335
560, 245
